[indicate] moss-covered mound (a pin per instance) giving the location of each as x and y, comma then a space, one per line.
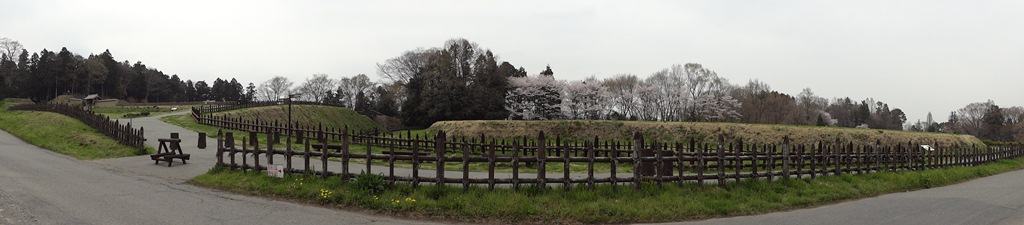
702, 132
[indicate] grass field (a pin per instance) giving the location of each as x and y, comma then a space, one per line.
702, 132
62, 134
604, 205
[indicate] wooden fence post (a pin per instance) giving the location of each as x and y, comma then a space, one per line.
848, 156
515, 165
439, 150
800, 160
785, 157
770, 162
721, 160
323, 155
701, 163
220, 154
835, 157
288, 157
229, 136
614, 179
465, 165
490, 165
346, 154
566, 180
245, 160
270, 154
681, 166
590, 165
369, 151
391, 160
542, 158
415, 161
638, 145
305, 158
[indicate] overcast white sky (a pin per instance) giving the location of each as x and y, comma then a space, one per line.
920, 56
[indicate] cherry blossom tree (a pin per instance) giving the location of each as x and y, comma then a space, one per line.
585, 99
528, 96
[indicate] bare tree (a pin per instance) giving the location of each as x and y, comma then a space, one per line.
275, 88
813, 106
10, 48
622, 90
970, 119
349, 88
400, 69
316, 88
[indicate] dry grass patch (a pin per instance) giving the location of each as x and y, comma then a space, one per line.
702, 132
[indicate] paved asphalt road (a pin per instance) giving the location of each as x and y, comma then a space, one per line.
41, 187
38, 186
990, 200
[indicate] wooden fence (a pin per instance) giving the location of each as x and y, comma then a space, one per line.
275, 128
126, 103
123, 133
199, 111
648, 162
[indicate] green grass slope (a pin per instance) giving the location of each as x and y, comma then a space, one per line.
62, 134
307, 115
704, 132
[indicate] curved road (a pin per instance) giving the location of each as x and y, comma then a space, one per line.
38, 186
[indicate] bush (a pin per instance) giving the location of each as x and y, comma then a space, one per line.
370, 183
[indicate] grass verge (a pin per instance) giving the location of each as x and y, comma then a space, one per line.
580, 206
63, 135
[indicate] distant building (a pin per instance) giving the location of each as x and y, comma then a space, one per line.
95, 100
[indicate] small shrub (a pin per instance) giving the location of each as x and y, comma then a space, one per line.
370, 183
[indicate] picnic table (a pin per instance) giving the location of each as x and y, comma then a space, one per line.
169, 149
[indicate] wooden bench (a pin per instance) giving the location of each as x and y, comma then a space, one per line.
170, 149
421, 153
318, 147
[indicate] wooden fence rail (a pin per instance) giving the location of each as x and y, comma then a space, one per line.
632, 162
657, 162
200, 110
123, 133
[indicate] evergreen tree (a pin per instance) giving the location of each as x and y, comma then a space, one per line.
993, 122
250, 93
386, 103
202, 91
362, 105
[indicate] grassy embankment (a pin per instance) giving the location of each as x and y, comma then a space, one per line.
306, 115
604, 205
118, 112
344, 117
62, 134
702, 132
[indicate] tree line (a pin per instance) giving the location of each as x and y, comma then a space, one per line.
462, 81
42, 76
